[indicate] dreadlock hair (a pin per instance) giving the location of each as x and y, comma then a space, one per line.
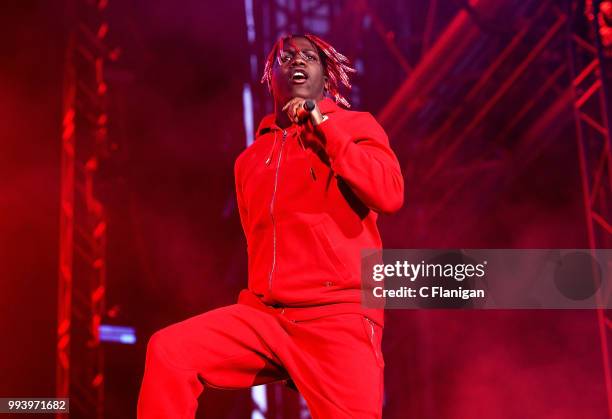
335, 65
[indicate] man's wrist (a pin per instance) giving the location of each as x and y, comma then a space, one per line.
318, 118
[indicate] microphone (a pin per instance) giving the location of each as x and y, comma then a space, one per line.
304, 112
309, 105
307, 109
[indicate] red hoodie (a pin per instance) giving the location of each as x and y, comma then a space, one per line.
306, 215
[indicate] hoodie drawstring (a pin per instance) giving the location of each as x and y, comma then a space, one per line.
312, 172
269, 159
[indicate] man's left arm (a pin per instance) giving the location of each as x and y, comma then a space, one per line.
359, 152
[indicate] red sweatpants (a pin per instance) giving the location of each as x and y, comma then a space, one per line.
335, 362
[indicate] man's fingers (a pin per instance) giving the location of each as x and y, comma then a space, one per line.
292, 108
297, 105
290, 102
293, 111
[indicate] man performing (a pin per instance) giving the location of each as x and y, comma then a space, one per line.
309, 190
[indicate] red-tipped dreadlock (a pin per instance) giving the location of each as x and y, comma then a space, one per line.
335, 65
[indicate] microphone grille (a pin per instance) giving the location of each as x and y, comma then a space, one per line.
309, 105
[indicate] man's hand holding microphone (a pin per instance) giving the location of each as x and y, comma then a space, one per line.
299, 110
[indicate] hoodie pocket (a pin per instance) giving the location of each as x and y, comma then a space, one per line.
320, 232
374, 335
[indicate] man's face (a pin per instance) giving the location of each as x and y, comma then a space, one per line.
300, 73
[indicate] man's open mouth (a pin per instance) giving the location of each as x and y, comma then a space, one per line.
299, 76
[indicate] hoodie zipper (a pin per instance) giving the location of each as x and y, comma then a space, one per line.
280, 155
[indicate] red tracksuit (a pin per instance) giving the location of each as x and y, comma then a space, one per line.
308, 200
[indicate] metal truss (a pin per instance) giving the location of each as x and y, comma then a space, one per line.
481, 68
591, 109
82, 254
590, 67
